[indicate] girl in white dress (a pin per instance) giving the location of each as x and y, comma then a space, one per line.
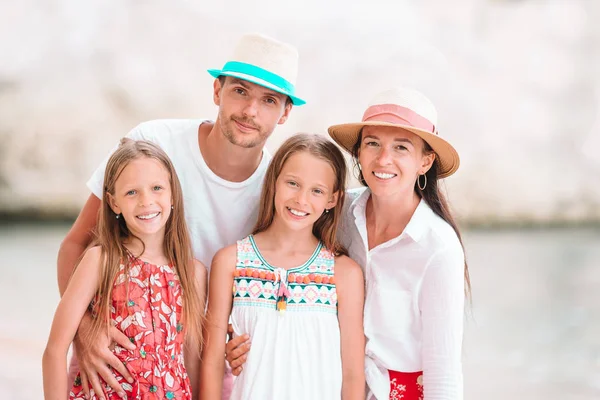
294, 290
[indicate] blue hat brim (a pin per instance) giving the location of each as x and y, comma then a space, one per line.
259, 81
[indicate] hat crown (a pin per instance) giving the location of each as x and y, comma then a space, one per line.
264, 61
410, 99
269, 54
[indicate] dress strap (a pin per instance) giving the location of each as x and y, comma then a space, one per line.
324, 263
246, 256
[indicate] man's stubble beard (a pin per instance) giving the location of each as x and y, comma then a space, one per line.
227, 129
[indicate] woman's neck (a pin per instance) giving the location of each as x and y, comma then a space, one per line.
387, 216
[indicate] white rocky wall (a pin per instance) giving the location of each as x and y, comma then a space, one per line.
515, 82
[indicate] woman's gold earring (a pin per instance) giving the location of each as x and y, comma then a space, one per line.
419, 181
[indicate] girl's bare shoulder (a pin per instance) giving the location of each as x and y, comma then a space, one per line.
346, 265
92, 256
225, 258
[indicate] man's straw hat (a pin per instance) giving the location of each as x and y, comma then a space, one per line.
265, 61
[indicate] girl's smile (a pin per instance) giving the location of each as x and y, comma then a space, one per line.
143, 197
304, 190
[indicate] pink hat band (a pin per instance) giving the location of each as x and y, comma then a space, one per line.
395, 114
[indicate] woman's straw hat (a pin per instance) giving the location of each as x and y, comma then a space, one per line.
406, 109
265, 61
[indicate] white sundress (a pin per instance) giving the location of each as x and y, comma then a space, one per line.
295, 352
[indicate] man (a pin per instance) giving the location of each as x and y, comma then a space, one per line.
220, 164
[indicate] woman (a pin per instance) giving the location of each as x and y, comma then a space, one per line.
400, 230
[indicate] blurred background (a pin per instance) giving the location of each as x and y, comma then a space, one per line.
516, 85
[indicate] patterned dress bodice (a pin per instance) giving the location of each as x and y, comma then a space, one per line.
310, 287
291, 316
147, 308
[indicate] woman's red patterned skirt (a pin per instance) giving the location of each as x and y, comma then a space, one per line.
406, 385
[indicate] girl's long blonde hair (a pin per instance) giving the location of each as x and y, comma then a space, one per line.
111, 233
325, 228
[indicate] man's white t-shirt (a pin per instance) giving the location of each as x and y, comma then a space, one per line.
217, 212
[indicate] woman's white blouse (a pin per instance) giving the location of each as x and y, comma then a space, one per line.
414, 304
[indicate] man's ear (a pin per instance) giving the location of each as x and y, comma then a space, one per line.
286, 113
217, 92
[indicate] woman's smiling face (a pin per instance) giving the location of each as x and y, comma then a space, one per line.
391, 159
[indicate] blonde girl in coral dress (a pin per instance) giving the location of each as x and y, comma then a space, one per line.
140, 277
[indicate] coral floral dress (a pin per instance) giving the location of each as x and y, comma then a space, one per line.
146, 306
